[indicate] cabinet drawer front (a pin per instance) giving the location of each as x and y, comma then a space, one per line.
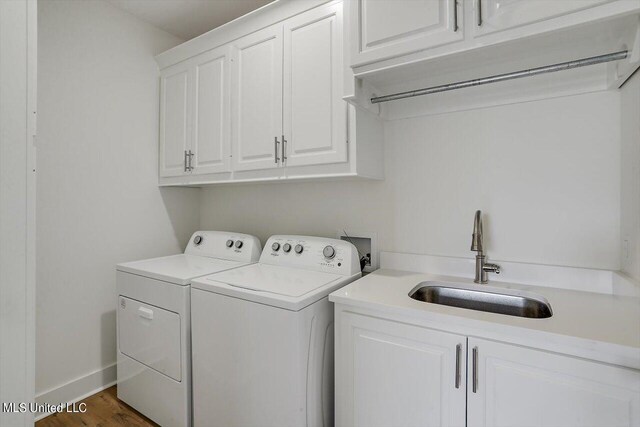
174, 114
518, 386
383, 29
499, 15
150, 335
391, 373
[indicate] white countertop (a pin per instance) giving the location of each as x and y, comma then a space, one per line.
596, 326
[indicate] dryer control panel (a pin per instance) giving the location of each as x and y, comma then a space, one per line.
224, 245
312, 253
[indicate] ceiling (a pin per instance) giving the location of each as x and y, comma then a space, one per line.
187, 19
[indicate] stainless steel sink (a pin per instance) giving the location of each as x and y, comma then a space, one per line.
493, 300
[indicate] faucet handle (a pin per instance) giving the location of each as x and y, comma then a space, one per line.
491, 268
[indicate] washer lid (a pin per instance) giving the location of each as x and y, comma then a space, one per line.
273, 279
283, 287
178, 269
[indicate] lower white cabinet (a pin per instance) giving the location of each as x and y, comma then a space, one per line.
390, 373
518, 386
394, 374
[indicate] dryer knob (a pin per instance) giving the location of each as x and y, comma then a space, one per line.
329, 252
238, 244
229, 243
275, 246
287, 248
197, 240
299, 249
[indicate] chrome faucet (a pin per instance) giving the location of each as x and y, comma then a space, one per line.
482, 267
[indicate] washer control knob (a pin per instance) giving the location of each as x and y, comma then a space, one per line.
229, 243
238, 244
275, 246
197, 240
287, 248
299, 248
329, 252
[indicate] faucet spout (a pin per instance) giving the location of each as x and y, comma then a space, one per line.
482, 267
476, 239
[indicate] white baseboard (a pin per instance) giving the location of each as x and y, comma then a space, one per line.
78, 389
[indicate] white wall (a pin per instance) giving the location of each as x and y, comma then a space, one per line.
630, 189
98, 200
546, 175
17, 216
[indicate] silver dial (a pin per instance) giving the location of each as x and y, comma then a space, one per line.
197, 240
238, 244
286, 247
275, 246
329, 252
299, 249
229, 243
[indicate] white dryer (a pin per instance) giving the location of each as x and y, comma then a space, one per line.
154, 345
263, 336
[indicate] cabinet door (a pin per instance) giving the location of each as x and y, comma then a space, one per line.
257, 99
174, 119
382, 29
517, 386
394, 374
315, 126
211, 114
496, 15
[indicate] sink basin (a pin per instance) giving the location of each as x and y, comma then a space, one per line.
492, 300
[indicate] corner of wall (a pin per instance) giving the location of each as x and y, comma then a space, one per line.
630, 177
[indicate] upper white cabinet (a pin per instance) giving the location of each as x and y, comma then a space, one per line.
195, 115
517, 386
381, 30
257, 91
397, 46
211, 118
387, 28
315, 128
174, 120
498, 15
266, 104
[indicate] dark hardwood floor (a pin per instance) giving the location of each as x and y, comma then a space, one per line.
103, 410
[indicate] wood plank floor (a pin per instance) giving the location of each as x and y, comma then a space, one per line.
103, 410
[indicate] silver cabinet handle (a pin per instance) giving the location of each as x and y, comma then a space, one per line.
185, 161
275, 148
458, 351
479, 12
474, 380
455, 16
191, 154
284, 149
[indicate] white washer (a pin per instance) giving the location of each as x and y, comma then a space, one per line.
263, 336
154, 341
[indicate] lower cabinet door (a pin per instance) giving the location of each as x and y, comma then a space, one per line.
517, 386
393, 374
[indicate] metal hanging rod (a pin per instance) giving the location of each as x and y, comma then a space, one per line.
503, 77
